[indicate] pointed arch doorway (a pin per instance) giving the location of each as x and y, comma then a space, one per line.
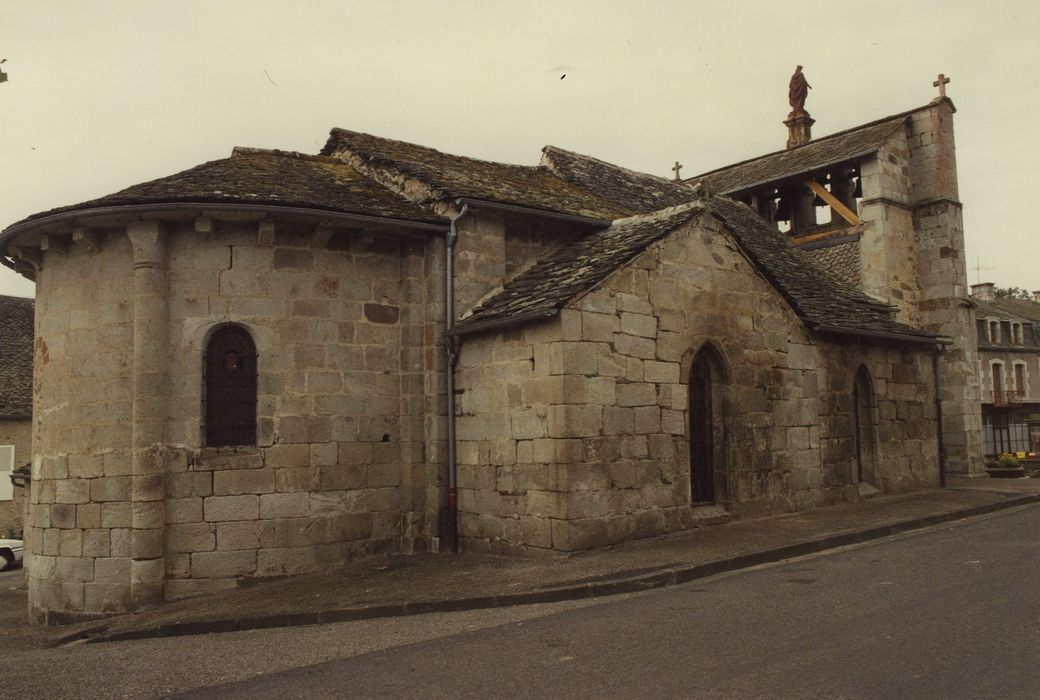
705, 416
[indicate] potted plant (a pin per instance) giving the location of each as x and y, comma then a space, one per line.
1005, 466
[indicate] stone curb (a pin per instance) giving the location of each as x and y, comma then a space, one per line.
657, 579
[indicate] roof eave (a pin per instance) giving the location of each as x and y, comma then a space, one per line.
933, 340
139, 210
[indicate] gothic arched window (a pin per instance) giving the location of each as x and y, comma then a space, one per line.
230, 388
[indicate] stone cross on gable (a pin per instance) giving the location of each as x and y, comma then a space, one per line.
675, 169
941, 84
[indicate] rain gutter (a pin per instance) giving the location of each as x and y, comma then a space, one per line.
883, 335
204, 208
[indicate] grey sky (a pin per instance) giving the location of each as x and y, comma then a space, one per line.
106, 94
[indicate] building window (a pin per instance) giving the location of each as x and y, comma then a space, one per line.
1020, 379
1016, 333
863, 424
1005, 433
707, 441
230, 388
994, 331
997, 370
6, 467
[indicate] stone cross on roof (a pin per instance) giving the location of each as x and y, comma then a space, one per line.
675, 169
941, 84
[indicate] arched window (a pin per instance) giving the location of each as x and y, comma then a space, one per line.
230, 388
706, 424
863, 422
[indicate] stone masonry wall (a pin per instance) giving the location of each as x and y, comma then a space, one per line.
573, 432
18, 433
341, 326
79, 537
944, 308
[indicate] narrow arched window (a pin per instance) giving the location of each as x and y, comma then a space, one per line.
230, 391
706, 425
863, 425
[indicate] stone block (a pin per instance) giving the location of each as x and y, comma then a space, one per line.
240, 535
661, 372
223, 508
575, 420
237, 482
110, 488
112, 570
63, 515
73, 491
636, 395
647, 419
189, 484
115, 515
148, 515
70, 543
74, 569
96, 543
284, 505
224, 564
643, 325
529, 423
86, 466
120, 542
635, 346
599, 328
88, 516
184, 510
146, 544
294, 455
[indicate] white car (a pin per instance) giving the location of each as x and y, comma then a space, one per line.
10, 553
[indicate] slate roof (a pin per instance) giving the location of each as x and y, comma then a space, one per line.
558, 278
451, 177
1006, 308
842, 261
16, 356
639, 192
818, 153
816, 297
270, 177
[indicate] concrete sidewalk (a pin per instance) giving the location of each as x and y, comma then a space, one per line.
405, 585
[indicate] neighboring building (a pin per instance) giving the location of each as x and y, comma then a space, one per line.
1009, 369
258, 366
16, 362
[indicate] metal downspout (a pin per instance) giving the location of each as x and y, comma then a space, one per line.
452, 346
938, 414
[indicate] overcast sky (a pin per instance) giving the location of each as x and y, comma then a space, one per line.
106, 94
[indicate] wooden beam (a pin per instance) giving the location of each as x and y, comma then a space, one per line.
836, 205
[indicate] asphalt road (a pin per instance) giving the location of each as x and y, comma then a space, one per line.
952, 612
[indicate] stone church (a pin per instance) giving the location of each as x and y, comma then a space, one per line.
274, 363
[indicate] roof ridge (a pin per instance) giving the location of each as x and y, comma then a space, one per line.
638, 173
339, 130
836, 134
253, 151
